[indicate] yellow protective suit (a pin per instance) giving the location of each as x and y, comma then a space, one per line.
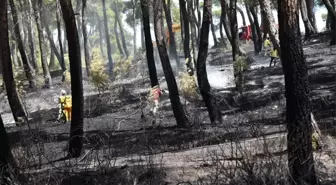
65, 107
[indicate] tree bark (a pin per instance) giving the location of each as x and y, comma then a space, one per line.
310, 5
309, 29
59, 34
221, 32
76, 128
134, 28
202, 77
52, 42
31, 40
46, 73
26, 66
257, 26
254, 31
269, 22
179, 114
332, 13
100, 36
142, 35
186, 42
5, 152
172, 43
117, 36
149, 44
225, 22
52, 58
122, 35
108, 43
85, 39
298, 108
234, 29
14, 99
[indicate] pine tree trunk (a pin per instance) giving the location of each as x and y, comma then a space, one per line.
234, 29
221, 32
52, 42
180, 117
185, 20
142, 35
269, 22
46, 73
202, 77
309, 29
149, 44
59, 35
117, 36
14, 99
107, 38
31, 40
100, 36
122, 35
310, 5
331, 11
257, 26
172, 42
298, 108
134, 28
76, 129
27, 67
85, 39
225, 22
254, 31
52, 58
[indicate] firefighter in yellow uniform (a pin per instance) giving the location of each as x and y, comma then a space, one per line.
65, 106
267, 45
274, 56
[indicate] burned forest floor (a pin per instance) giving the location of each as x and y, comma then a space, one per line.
123, 147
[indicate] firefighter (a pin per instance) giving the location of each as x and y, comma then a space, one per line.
267, 45
65, 106
154, 97
274, 56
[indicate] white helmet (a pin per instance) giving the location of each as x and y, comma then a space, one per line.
63, 92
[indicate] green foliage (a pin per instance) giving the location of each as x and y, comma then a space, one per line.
98, 76
20, 80
239, 66
188, 86
122, 68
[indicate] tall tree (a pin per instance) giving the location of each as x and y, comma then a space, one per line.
134, 2
214, 33
122, 35
242, 15
202, 77
332, 12
225, 21
300, 154
257, 26
180, 116
37, 11
269, 22
100, 36
117, 37
14, 99
253, 28
310, 12
171, 42
309, 29
31, 39
186, 34
149, 44
76, 129
234, 29
27, 67
108, 43
59, 35
85, 38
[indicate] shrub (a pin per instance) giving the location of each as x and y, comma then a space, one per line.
122, 68
188, 86
98, 77
239, 66
20, 80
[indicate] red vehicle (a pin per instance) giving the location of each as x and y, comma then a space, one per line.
245, 33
